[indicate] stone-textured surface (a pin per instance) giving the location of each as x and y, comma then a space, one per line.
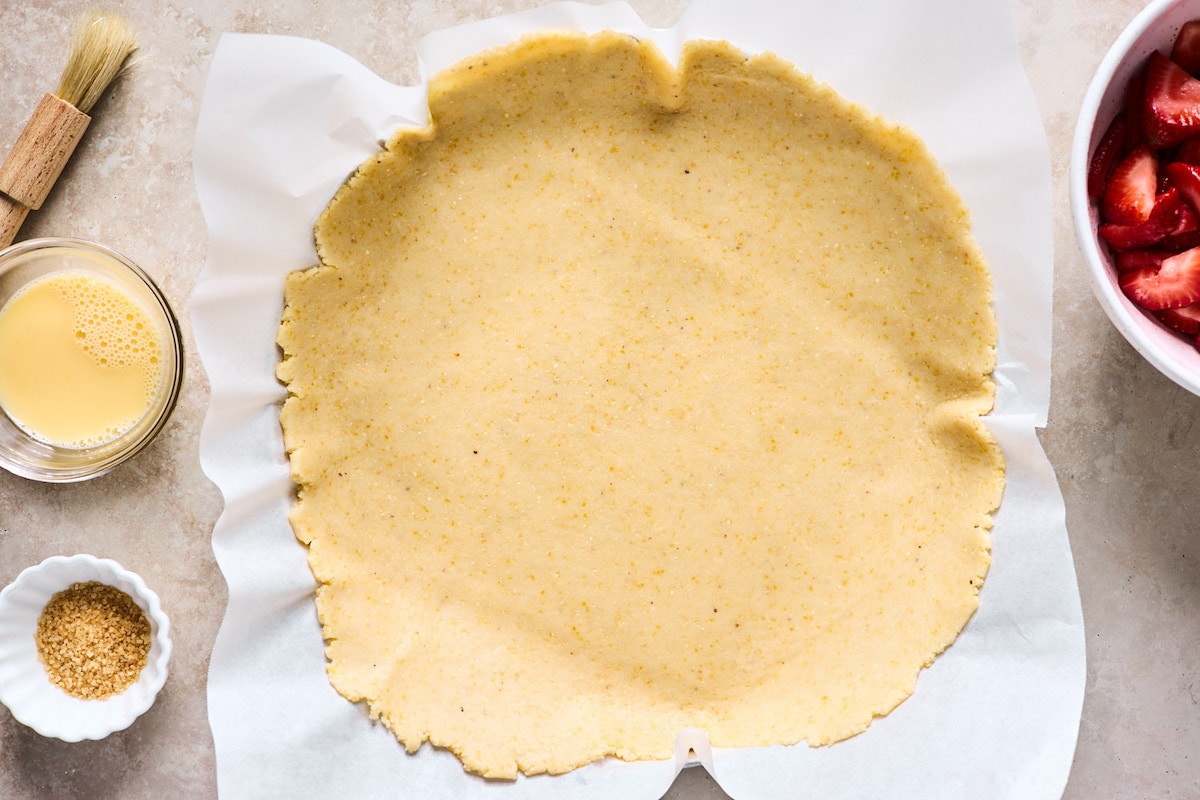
1124, 441
1121, 437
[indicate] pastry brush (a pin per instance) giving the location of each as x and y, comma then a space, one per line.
99, 49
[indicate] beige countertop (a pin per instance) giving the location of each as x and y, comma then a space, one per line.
1121, 437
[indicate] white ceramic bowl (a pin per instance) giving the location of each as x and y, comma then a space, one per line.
1153, 29
24, 685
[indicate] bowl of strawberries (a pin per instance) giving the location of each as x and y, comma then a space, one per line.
1135, 186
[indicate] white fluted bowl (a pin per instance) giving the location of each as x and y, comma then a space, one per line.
24, 686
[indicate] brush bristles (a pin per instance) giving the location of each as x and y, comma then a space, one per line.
102, 43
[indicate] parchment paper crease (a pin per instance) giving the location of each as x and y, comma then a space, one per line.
284, 121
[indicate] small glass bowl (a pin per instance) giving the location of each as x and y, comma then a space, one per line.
24, 686
29, 457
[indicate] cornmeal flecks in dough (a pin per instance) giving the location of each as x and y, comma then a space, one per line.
628, 399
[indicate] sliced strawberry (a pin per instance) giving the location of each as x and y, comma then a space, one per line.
1186, 51
1187, 232
1164, 220
1108, 152
1172, 104
1129, 260
1135, 111
1133, 237
1174, 284
1132, 187
1186, 320
1189, 151
1186, 178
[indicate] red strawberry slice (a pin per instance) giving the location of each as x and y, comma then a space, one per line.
1186, 320
1164, 220
1130, 260
1134, 109
1172, 103
1189, 151
1174, 284
1186, 52
1108, 152
1131, 191
1185, 178
1187, 232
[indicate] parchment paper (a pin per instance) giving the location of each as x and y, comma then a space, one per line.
284, 121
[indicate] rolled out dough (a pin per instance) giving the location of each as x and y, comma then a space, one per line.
629, 398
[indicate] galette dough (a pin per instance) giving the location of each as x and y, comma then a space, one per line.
627, 399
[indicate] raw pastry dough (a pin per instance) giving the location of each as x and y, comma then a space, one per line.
627, 399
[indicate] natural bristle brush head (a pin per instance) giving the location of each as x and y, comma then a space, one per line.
101, 44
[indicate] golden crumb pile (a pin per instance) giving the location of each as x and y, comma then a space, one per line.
630, 398
93, 640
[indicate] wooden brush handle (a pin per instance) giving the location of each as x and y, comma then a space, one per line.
36, 161
12, 214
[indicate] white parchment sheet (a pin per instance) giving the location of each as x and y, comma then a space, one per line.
284, 122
